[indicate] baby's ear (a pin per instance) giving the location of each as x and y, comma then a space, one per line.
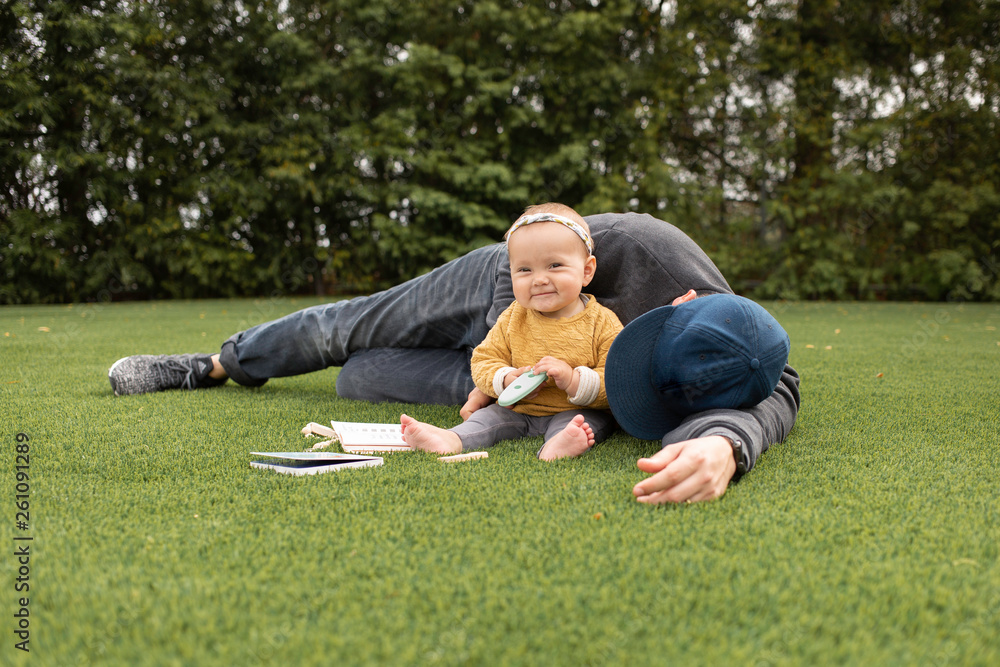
589, 269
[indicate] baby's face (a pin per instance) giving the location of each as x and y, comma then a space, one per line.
549, 266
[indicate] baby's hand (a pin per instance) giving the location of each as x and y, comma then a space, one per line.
559, 372
513, 375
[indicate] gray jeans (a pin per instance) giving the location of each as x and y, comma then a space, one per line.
489, 425
411, 343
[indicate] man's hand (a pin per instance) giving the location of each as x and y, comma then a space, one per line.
477, 399
687, 471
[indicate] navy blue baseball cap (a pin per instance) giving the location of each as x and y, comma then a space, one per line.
717, 351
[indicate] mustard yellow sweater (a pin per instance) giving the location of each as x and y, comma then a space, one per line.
521, 337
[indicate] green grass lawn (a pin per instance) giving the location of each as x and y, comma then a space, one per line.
870, 536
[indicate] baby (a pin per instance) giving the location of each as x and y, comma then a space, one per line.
551, 327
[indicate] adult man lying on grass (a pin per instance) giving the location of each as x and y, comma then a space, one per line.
695, 368
412, 343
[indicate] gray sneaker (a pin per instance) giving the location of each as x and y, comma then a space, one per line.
144, 373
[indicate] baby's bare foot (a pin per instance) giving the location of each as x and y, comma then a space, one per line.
573, 440
429, 438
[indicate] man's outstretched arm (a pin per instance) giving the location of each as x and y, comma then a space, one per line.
699, 459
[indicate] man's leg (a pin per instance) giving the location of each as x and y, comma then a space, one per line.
444, 309
143, 373
407, 376
670, 263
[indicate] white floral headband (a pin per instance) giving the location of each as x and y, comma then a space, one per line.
552, 217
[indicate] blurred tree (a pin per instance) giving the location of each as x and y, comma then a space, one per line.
814, 148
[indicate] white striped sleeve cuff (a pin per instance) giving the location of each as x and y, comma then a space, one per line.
590, 386
498, 379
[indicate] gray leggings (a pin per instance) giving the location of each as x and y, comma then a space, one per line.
487, 426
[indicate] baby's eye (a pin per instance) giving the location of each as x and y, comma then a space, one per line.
555, 265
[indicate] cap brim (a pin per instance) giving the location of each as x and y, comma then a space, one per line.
628, 378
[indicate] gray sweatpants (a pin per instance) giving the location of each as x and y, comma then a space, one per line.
488, 426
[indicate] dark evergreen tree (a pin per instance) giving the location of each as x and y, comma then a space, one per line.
815, 149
